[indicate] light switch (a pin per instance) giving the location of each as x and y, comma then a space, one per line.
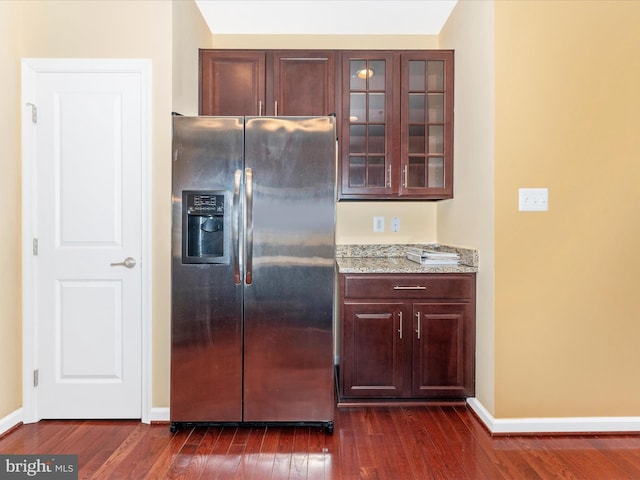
533, 199
378, 224
395, 224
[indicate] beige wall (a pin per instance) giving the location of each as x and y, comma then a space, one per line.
10, 219
190, 32
567, 304
468, 219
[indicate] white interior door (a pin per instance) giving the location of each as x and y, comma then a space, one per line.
88, 225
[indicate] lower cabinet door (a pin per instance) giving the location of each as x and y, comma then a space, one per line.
442, 350
374, 350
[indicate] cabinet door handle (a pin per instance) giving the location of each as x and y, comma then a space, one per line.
409, 287
400, 329
389, 176
260, 108
276, 108
404, 174
418, 329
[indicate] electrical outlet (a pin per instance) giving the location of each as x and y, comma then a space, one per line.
533, 199
378, 224
395, 224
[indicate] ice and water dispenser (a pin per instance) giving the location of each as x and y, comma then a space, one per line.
204, 227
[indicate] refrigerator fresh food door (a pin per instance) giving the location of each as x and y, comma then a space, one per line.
206, 299
289, 279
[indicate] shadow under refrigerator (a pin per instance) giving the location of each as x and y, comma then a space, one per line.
253, 264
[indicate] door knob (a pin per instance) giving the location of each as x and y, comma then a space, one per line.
127, 263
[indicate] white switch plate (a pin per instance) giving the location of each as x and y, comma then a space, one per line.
395, 224
533, 199
378, 224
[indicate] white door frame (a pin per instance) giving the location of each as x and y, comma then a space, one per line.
30, 68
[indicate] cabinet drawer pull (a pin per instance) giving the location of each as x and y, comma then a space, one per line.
409, 287
400, 329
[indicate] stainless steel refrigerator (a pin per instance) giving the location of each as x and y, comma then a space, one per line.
252, 270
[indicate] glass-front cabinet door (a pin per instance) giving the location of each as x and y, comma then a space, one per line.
397, 125
367, 137
427, 124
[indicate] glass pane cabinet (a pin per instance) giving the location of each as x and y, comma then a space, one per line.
427, 118
366, 118
397, 125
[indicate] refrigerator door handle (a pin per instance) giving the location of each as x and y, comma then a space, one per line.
248, 176
235, 238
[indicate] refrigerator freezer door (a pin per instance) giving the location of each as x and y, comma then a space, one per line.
288, 349
206, 310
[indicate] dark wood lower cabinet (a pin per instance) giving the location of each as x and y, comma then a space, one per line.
407, 337
374, 357
443, 347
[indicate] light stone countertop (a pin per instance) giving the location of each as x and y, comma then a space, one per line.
392, 259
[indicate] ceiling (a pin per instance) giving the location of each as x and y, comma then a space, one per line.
326, 17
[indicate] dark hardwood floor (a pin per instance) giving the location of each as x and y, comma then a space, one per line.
396, 443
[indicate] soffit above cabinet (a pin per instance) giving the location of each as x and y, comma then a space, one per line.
326, 17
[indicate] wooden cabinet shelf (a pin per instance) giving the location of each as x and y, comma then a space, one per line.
407, 337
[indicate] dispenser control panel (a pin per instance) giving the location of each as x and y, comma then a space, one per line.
205, 204
206, 228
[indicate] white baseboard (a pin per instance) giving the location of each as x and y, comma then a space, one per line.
10, 421
514, 426
159, 414
504, 426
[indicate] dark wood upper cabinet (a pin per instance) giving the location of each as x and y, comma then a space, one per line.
426, 123
303, 83
394, 110
258, 82
369, 136
232, 82
397, 127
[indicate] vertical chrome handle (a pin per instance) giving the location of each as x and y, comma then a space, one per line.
400, 329
248, 175
389, 176
276, 108
404, 174
419, 328
235, 223
260, 108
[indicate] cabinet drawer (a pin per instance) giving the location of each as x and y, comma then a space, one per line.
431, 286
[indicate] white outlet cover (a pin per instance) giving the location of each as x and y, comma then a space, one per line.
533, 199
395, 224
378, 224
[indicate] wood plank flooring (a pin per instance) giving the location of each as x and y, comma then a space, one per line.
394, 443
